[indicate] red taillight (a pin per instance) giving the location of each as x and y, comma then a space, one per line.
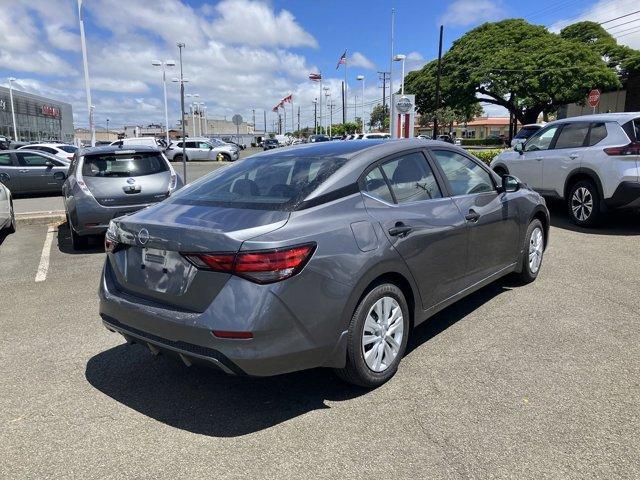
632, 149
234, 335
266, 266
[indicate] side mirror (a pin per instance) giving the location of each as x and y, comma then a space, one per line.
510, 184
49, 164
210, 147
519, 147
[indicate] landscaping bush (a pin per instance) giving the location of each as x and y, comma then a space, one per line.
486, 155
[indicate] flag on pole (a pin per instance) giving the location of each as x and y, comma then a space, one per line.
315, 77
288, 98
343, 60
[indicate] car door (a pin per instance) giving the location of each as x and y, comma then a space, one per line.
528, 166
37, 176
423, 225
492, 220
9, 174
563, 156
204, 149
192, 151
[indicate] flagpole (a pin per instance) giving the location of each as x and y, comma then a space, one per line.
346, 89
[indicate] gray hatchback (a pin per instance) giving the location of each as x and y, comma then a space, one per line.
108, 182
324, 254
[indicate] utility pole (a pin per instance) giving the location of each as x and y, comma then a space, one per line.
384, 76
298, 120
253, 110
265, 121
315, 116
435, 117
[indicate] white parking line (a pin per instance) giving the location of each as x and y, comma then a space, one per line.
43, 268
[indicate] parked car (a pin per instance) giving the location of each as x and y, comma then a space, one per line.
108, 182
202, 149
241, 146
591, 162
525, 132
30, 171
7, 215
61, 150
323, 258
4, 143
318, 138
269, 143
152, 142
375, 136
445, 138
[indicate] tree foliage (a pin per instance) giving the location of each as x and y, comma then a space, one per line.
519, 66
379, 117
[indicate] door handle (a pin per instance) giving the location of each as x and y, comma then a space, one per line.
24, 171
400, 230
472, 216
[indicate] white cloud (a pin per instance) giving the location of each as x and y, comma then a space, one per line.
37, 61
257, 24
462, 13
357, 59
605, 10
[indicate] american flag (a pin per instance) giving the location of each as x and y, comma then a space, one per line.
343, 60
315, 77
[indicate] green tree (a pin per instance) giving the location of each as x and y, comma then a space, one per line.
519, 66
448, 115
379, 117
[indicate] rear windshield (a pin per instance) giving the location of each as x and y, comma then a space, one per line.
68, 148
263, 183
526, 132
632, 129
125, 164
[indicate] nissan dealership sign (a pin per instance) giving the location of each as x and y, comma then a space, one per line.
49, 111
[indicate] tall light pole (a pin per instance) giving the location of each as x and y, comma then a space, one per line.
361, 78
13, 112
401, 58
326, 94
182, 81
164, 64
391, 106
193, 111
204, 114
86, 74
108, 130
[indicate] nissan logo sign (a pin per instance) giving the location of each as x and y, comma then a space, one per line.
404, 104
143, 236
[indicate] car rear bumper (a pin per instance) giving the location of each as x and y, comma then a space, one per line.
281, 341
627, 195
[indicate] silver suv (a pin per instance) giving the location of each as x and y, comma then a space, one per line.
203, 149
592, 162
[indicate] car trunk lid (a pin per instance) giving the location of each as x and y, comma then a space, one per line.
117, 191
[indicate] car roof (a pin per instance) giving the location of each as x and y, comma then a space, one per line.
618, 117
115, 149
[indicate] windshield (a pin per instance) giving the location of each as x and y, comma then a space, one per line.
68, 148
126, 164
263, 183
526, 132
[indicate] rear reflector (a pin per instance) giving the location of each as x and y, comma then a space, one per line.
235, 335
632, 149
262, 266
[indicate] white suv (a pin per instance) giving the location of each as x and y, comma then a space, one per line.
592, 162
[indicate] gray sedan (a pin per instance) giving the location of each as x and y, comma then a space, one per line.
327, 254
108, 182
27, 171
202, 149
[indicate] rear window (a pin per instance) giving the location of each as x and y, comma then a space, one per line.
632, 129
526, 132
125, 164
68, 148
263, 183
597, 134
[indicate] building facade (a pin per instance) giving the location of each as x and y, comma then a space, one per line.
37, 118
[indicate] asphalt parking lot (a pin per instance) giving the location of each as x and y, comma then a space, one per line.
541, 381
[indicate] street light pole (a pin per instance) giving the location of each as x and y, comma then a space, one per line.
163, 64
107, 129
361, 78
13, 112
86, 74
400, 58
315, 115
184, 141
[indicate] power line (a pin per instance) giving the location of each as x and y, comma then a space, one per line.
626, 29
624, 23
618, 18
629, 33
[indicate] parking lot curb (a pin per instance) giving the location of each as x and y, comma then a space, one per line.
40, 218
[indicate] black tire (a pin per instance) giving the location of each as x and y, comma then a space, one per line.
582, 196
527, 275
178, 158
78, 242
356, 370
225, 157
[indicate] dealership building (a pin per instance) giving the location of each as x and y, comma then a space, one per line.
37, 118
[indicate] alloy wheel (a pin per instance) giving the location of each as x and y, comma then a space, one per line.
382, 334
582, 204
536, 247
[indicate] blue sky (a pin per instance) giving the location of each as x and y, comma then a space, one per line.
243, 54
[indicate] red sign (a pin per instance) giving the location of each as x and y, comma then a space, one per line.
50, 111
594, 98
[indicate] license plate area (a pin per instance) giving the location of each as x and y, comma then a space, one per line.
153, 257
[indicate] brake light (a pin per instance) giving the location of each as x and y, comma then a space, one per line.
263, 266
632, 149
233, 335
